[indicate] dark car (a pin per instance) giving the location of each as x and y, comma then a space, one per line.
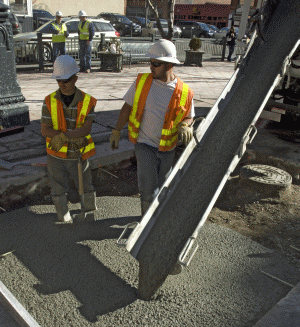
139, 20
16, 26
122, 24
41, 17
191, 28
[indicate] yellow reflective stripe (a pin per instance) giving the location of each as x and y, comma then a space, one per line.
53, 103
169, 131
84, 109
64, 149
168, 142
184, 94
132, 133
136, 100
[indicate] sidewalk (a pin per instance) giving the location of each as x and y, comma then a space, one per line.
207, 83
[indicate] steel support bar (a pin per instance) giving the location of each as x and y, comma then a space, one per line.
190, 192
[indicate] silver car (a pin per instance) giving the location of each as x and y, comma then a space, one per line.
26, 47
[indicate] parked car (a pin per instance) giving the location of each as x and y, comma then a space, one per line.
223, 32
153, 29
26, 47
122, 24
213, 27
139, 20
16, 26
40, 17
191, 28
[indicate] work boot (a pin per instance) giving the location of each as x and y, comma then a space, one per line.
61, 205
88, 206
145, 206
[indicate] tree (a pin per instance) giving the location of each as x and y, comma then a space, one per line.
153, 4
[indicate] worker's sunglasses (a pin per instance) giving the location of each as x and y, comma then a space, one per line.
65, 81
156, 64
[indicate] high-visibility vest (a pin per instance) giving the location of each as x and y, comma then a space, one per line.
84, 31
60, 37
178, 109
55, 108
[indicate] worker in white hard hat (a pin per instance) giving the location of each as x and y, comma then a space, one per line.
59, 34
86, 33
66, 123
159, 110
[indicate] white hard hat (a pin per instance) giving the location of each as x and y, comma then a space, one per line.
64, 67
59, 13
164, 50
82, 13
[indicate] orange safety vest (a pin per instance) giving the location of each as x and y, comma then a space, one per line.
178, 109
55, 108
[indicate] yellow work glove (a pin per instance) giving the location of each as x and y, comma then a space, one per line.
185, 133
58, 141
114, 139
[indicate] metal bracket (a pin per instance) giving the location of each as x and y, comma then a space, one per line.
119, 243
247, 140
187, 248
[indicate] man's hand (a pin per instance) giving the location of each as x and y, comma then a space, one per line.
88, 42
185, 133
79, 142
114, 139
58, 141
66, 34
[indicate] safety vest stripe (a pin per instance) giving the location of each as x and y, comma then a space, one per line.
84, 109
54, 117
168, 142
184, 94
136, 100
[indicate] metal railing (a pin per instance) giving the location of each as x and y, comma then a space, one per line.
135, 50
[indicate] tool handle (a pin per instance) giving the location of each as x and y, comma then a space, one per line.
80, 177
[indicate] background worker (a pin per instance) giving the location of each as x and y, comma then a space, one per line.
67, 117
86, 33
59, 34
231, 40
159, 108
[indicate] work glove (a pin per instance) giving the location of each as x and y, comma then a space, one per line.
114, 139
78, 143
65, 34
185, 133
58, 141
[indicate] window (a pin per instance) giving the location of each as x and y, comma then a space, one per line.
19, 6
103, 27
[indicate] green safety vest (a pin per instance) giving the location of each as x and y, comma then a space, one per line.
60, 37
84, 31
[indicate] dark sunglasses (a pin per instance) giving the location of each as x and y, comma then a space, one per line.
64, 81
156, 64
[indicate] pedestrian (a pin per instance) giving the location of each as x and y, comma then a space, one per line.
59, 34
67, 117
159, 110
231, 40
86, 33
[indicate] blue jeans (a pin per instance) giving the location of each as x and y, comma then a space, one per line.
152, 168
59, 48
85, 55
231, 49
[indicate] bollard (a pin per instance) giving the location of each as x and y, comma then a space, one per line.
41, 50
152, 37
224, 43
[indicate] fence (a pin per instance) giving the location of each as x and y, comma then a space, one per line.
134, 50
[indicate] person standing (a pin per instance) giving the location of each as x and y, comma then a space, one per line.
86, 33
59, 34
231, 40
159, 110
67, 117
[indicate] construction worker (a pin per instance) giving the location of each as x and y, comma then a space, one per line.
67, 117
86, 33
59, 34
159, 110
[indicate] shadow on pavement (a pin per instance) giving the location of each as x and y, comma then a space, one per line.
53, 254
